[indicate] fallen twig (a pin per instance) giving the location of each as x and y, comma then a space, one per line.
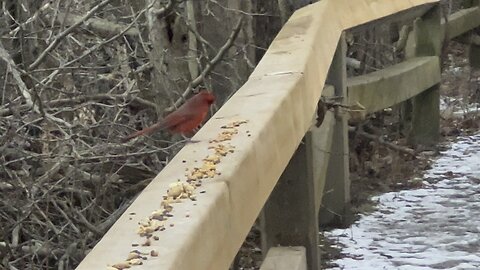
379, 139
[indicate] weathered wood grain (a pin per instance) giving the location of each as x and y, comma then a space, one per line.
392, 85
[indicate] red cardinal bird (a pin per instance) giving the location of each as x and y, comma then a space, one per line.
185, 119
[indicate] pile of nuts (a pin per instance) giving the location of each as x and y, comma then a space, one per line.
179, 191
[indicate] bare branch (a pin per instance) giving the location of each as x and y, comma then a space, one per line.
93, 48
31, 19
67, 31
162, 12
82, 99
284, 10
192, 40
101, 26
16, 75
219, 56
23, 87
382, 141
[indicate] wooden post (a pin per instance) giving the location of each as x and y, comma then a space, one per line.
470, 3
336, 197
427, 41
289, 217
285, 258
474, 48
474, 56
405, 110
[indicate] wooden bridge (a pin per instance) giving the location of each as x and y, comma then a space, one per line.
262, 156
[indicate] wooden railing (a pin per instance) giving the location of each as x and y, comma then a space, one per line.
266, 120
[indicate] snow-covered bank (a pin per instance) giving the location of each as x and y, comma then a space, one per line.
434, 227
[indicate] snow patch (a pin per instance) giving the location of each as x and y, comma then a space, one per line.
435, 227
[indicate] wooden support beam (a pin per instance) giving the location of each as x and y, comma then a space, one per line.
470, 3
428, 33
336, 198
466, 20
461, 22
473, 39
428, 39
474, 55
285, 258
322, 141
405, 110
426, 118
290, 215
392, 85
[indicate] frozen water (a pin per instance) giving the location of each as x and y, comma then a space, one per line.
435, 227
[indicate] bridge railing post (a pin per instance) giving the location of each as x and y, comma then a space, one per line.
336, 195
474, 47
426, 40
290, 217
470, 3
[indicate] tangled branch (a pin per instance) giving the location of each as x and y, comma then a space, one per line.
65, 177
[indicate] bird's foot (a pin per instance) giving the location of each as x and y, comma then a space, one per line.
193, 141
189, 140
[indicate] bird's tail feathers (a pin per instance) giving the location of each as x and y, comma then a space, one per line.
145, 131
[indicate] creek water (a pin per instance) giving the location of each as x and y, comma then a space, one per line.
433, 227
